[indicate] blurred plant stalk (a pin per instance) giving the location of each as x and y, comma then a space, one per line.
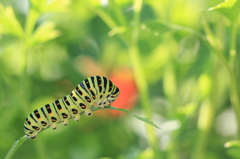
230, 65
31, 20
207, 113
139, 76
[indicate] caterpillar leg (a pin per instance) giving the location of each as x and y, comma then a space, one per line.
31, 134
88, 112
54, 122
86, 109
76, 117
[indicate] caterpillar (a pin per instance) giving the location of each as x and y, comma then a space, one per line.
95, 91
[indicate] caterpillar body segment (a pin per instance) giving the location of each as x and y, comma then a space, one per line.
95, 91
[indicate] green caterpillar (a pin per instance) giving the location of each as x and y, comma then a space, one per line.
95, 91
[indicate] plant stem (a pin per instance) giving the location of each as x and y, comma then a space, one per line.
15, 147
144, 95
234, 97
229, 65
140, 78
234, 86
141, 82
31, 20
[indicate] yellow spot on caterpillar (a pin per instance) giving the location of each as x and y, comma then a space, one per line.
50, 113
88, 100
36, 113
90, 89
100, 85
60, 109
39, 118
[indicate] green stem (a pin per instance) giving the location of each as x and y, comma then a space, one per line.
234, 86
31, 20
234, 97
15, 147
215, 45
140, 77
229, 65
136, 64
144, 94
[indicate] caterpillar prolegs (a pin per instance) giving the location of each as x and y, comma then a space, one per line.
95, 91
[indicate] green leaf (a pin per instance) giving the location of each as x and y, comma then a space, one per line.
233, 149
126, 111
9, 23
15, 146
226, 4
44, 33
229, 8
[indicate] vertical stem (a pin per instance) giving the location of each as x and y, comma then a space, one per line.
31, 20
205, 121
229, 65
144, 95
140, 78
234, 86
234, 97
137, 66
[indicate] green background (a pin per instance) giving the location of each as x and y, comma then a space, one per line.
175, 62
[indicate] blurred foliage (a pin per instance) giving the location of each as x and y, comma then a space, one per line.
175, 62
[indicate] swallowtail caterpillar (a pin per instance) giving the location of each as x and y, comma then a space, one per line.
95, 91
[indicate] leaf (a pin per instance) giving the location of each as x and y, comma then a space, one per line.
9, 23
117, 30
233, 149
229, 8
44, 33
226, 4
15, 146
126, 111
